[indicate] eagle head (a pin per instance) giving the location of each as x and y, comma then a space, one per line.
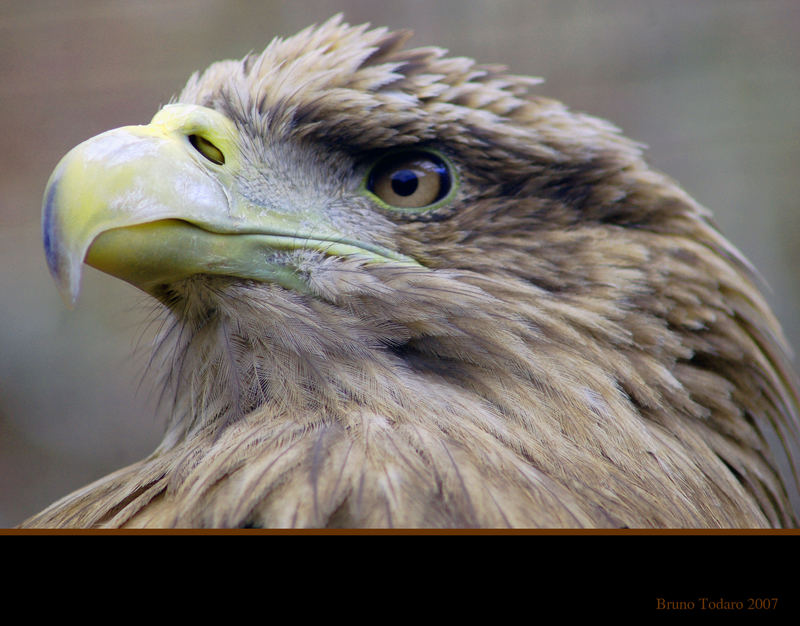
402, 289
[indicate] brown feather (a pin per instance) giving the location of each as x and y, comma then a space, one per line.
585, 350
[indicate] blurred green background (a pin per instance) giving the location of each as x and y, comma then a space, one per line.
712, 86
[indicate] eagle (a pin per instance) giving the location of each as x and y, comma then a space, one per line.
402, 290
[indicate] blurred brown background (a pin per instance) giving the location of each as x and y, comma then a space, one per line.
713, 88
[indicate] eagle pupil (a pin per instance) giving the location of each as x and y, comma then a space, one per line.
404, 182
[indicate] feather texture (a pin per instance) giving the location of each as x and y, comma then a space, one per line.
581, 348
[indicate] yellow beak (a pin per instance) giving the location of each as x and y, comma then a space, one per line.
143, 204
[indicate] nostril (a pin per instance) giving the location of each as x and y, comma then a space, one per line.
207, 149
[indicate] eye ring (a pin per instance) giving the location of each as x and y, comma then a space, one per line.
411, 180
207, 149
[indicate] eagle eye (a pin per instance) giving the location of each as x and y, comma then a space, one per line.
207, 149
412, 179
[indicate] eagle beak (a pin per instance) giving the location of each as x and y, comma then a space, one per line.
147, 205
131, 178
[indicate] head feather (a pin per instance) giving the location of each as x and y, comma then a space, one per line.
582, 347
